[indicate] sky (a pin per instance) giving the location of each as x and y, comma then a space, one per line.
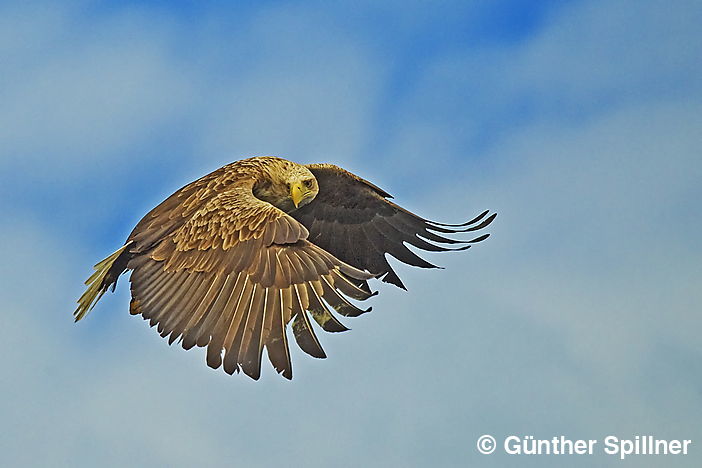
579, 122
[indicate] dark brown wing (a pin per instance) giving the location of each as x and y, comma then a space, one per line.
233, 274
353, 219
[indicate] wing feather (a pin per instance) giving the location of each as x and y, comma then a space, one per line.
283, 275
174, 310
272, 299
206, 314
277, 343
234, 327
216, 344
207, 325
155, 304
199, 296
302, 328
338, 302
251, 361
343, 284
248, 347
321, 313
353, 220
203, 308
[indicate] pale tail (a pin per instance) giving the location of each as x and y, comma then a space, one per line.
97, 284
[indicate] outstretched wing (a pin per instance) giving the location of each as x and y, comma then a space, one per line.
232, 274
353, 219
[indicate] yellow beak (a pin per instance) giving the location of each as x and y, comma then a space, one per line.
298, 192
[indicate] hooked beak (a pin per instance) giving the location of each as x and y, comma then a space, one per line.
298, 193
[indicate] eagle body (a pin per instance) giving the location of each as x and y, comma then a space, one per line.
229, 261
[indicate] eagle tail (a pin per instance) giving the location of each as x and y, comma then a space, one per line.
106, 273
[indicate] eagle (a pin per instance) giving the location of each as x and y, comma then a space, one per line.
230, 260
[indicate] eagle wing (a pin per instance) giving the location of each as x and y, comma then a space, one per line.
353, 220
221, 268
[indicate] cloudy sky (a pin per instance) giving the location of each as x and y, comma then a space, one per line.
578, 121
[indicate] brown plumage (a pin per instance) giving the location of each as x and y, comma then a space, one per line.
228, 261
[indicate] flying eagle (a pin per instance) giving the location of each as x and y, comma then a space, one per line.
228, 261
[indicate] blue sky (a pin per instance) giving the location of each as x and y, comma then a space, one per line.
579, 122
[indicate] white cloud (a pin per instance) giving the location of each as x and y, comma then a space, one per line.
634, 48
305, 91
77, 94
591, 58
